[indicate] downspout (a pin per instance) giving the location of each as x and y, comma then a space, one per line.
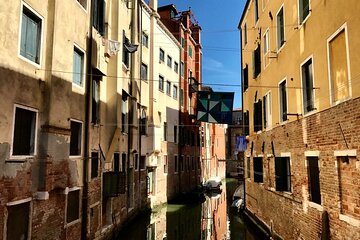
242, 109
88, 87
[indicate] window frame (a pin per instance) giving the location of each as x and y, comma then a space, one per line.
332, 37
267, 106
175, 92
12, 155
145, 37
258, 178
302, 21
182, 69
266, 46
141, 71
169, 61
168, 88
14, 203
281, 111
282, 7
176, 67
78, 49
310, 183
41, 39
161, 83
302, 65
161, 55
288, 174
81, 138
68, 190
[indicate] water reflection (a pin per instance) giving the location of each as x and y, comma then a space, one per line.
210, 220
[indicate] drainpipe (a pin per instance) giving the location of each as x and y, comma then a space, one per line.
242, 110
88, 87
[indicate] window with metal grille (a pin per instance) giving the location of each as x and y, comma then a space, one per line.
314, 179
282, 174
258, 169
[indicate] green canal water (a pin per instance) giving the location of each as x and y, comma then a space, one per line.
208, 219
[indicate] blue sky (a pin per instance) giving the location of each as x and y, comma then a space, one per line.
220, 41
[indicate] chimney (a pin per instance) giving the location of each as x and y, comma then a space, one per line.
153, 4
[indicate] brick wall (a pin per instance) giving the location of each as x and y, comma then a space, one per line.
290, 214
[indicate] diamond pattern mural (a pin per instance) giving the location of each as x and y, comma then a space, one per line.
215, 107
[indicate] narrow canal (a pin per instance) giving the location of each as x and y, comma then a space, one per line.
211, 218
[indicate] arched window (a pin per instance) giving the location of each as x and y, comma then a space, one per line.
143, 122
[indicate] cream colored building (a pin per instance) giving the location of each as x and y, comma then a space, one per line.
160, 98
300, 100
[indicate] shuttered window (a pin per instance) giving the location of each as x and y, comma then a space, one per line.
282, 174
246, 77
30, 36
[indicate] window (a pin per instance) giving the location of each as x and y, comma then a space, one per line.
176, 163
246, 77
246, 123
304, 10
199, 163
339, 75
175, 92
258, 169
24, 139
82, 3
192, 163
190, 52
75, 138
124, 112
282, 174
248, 167
182, 42
256, 11
142, 162
95, 107
175, 134
123, 162
145, 39
161, 83
176, 67
182, 70
266, 45
31, 26
136, 160
307, 86
144, 72
245, 34
283, 101
99, 16
168, 88
125, 52
314, 180
165, 131
17, 226
256, 62
267, 110
94, 164
169, 61
182, 163
166, 164
78, 67
182, 97
258, 116
162, 55
192, 138
116, 162
143, 122
280, 28
73, 206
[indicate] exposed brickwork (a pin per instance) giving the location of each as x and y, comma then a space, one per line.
290, 214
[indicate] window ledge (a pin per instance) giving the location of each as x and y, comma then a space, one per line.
350, 220
316, 206
310, 113
305, 20
19, 159
73, 222
345, 153
37, 65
